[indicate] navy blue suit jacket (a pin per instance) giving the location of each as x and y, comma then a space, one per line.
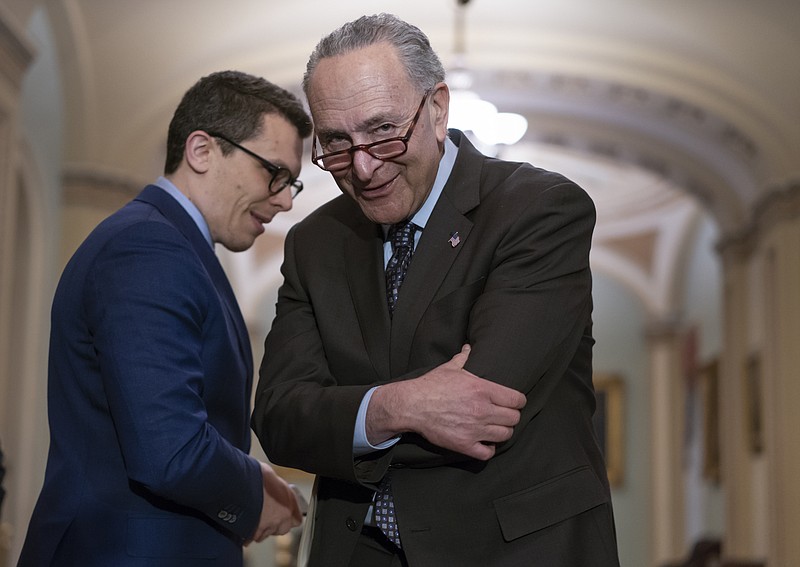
149, 393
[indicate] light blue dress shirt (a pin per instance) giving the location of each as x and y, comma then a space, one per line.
188, 206
361, 445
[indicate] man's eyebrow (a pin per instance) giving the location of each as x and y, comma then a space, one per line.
330, 133
370, 122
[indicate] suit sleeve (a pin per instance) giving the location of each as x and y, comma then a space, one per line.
531, 324
146, 304
528, 324
303, 416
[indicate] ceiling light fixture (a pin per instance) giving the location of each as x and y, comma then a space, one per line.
468, 111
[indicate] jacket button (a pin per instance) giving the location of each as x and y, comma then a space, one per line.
352, 525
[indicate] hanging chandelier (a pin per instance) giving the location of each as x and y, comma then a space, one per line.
468, 111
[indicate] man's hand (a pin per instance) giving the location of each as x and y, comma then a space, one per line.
280, 511
450, 407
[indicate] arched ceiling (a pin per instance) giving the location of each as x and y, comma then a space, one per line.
658, 108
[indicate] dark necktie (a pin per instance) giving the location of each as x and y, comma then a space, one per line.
401, 235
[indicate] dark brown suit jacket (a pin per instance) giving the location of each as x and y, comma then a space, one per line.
517, 287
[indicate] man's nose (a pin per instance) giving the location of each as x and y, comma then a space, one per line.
283, 199
364, 165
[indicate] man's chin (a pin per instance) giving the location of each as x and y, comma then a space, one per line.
383, 214
239, 245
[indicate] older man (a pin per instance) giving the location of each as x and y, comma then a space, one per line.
449, 420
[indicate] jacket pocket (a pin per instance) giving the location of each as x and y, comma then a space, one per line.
548, 503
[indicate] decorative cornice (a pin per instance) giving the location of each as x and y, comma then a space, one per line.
780, 204
629, 98
660, 132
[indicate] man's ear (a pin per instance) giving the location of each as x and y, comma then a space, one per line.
440, 102
197, 151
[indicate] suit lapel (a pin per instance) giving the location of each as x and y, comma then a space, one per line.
435, 253
363, 252
173, 212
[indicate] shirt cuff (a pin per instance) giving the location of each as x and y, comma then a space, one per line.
361, 446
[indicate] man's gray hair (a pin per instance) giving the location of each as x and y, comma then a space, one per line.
413, 47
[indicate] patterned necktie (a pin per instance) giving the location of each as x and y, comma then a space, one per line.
383, 511
401, 235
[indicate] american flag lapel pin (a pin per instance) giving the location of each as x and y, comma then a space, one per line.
455, 239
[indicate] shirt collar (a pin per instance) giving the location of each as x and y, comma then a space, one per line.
188, 206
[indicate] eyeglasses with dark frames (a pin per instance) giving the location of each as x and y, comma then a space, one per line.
382, 149
281, 177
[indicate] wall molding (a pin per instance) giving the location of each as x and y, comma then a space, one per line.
780, 204
88, 187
